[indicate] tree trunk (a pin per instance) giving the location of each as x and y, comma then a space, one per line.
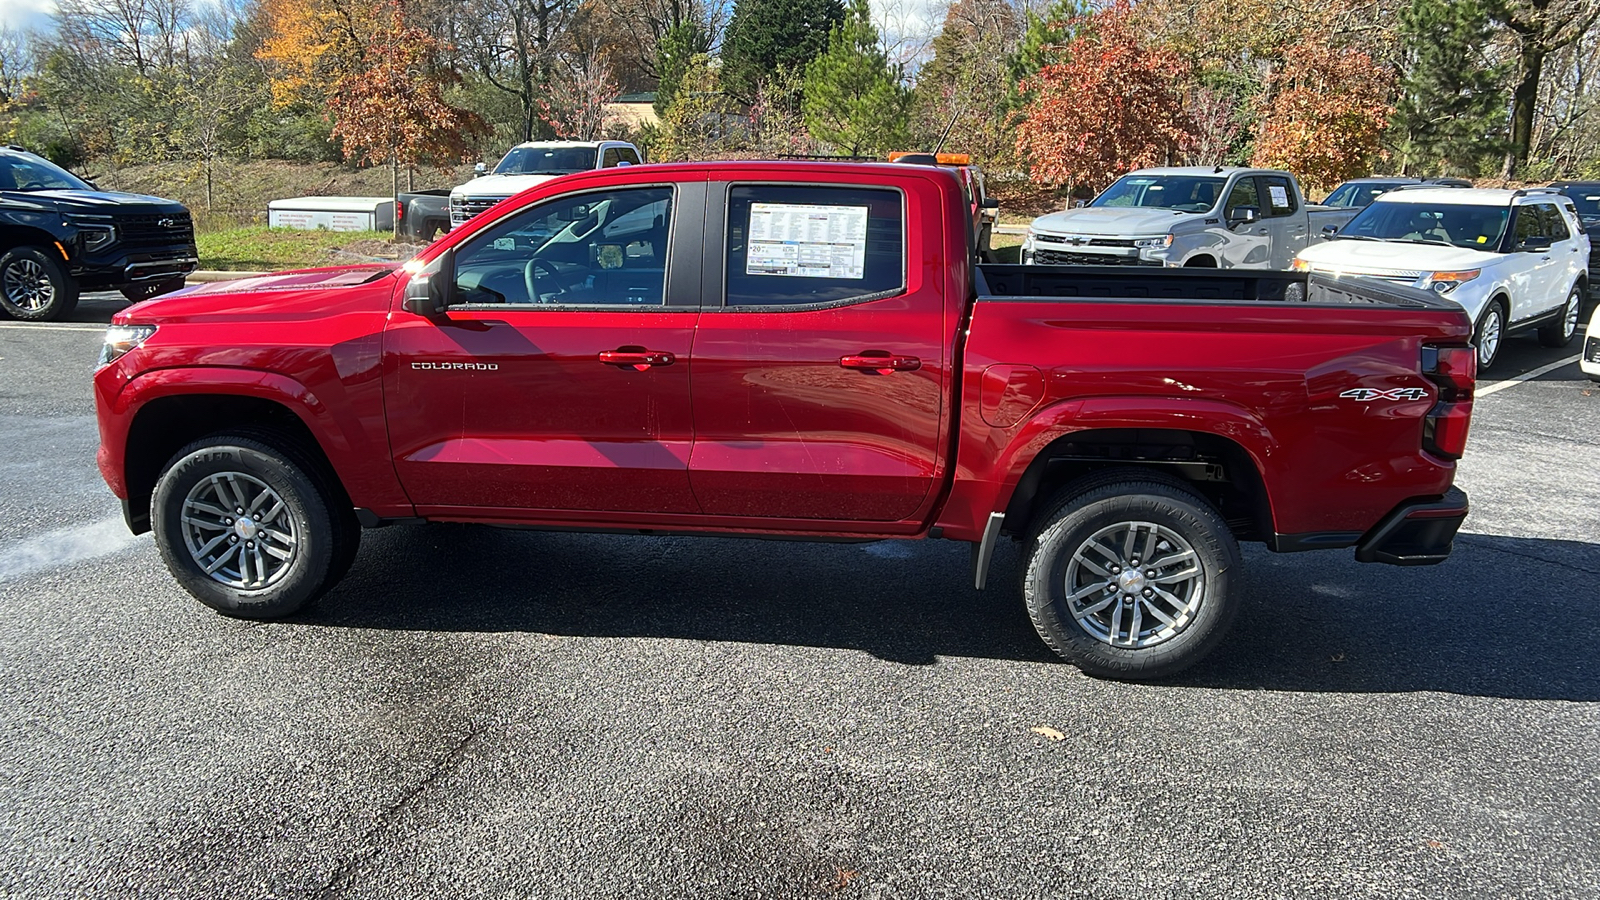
394, 172
1523, 98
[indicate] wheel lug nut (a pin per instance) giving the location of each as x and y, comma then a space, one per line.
1150, 573
1149, 593
1116, 570
1133, 562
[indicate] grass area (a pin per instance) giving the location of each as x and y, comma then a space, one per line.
262, 249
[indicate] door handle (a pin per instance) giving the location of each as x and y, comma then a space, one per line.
881, 363
636, 358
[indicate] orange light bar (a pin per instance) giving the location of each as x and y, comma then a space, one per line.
943, 159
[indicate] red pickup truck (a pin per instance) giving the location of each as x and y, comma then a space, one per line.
795, 349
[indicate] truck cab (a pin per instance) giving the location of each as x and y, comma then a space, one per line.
1196, 216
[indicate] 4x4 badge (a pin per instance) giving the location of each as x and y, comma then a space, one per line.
1412, 393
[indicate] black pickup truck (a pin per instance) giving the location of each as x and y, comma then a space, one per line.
60, 236
424, 214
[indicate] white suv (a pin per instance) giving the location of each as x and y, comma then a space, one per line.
536, 162
1513, 259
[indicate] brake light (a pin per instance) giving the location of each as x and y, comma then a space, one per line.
1455, 371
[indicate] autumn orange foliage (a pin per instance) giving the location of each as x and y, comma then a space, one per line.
1325, 114
1110, 105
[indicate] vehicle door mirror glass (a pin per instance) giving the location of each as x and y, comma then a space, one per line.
1243, 215
428, 291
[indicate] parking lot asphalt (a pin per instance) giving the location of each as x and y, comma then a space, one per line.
484, 713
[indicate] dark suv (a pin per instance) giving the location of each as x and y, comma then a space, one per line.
1586, 197
59, 235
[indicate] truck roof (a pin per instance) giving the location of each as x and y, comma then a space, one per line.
1205, 170
1463, 196
566, 143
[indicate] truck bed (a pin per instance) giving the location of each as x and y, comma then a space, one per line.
1011, 282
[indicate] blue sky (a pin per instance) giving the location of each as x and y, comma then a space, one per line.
23, 14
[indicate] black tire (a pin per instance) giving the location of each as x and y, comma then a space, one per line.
319, 547
1559, 332
1136, 499
145, 290
1492, 317
34, 287
1201, 262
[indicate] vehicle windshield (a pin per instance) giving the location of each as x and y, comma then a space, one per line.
20, 173
1359, 193
1460, 225
1586, 199
547, 161
1191, 193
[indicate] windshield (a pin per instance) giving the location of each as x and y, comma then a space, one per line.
1586, 199
1460, 225
20, 173
1360, 194
547, 161
1190, 193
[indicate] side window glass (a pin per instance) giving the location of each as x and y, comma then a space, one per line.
793, 245
1528, 224
605, 248
628, 156
611, 158
1555, 224
1280, 196
1243, 194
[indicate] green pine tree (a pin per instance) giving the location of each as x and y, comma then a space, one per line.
1451, 114
854, 101
681, 44
765, 36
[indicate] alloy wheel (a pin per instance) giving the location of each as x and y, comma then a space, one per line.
27, 285
1134, 584
238, 532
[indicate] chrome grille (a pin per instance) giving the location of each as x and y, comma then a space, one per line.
1062, 258
464, 208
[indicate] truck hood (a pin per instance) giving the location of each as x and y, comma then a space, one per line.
499, 185
282, 295
102, 203
1395, 255
1106, 222
296, 280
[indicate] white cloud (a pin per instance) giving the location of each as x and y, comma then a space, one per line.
23, 15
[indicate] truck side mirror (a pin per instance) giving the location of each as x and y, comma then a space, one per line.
480, 169
1330, 230
428, 291
1243, 215
1535, 244
990, 203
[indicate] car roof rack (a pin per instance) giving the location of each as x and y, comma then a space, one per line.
1528, 192
1426, 186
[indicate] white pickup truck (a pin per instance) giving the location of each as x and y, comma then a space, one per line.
535, 162
1215, 217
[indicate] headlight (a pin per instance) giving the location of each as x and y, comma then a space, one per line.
1027, 242
1300, 265
1155, 243
1445, 282
94, 232
122, 338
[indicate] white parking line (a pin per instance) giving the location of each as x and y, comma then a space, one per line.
1525, 376
22, 325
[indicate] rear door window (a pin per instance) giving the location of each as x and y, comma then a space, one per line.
792, 245
1279, 196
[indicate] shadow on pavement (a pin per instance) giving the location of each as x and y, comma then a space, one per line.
1504, 617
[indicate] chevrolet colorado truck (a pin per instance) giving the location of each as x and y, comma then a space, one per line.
60, 236
803, 350
1196, 216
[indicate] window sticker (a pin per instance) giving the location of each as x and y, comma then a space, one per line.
1280, 195
799, 239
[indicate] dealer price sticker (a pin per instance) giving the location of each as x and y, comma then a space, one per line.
799, 239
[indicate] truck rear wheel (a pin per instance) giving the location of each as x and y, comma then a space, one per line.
247, 529
1128, 576
34, 287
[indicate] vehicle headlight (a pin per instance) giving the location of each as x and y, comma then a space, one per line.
122, 338
1300, 265
1027, 242
1155, 243
94, 232
1445, 282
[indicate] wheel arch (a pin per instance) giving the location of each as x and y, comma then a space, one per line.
166, 424
1217, 467
14, 235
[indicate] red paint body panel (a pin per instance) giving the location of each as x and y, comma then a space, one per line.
754, 426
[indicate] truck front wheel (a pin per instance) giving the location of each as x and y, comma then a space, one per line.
34, 286
248, 529
1128, 576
